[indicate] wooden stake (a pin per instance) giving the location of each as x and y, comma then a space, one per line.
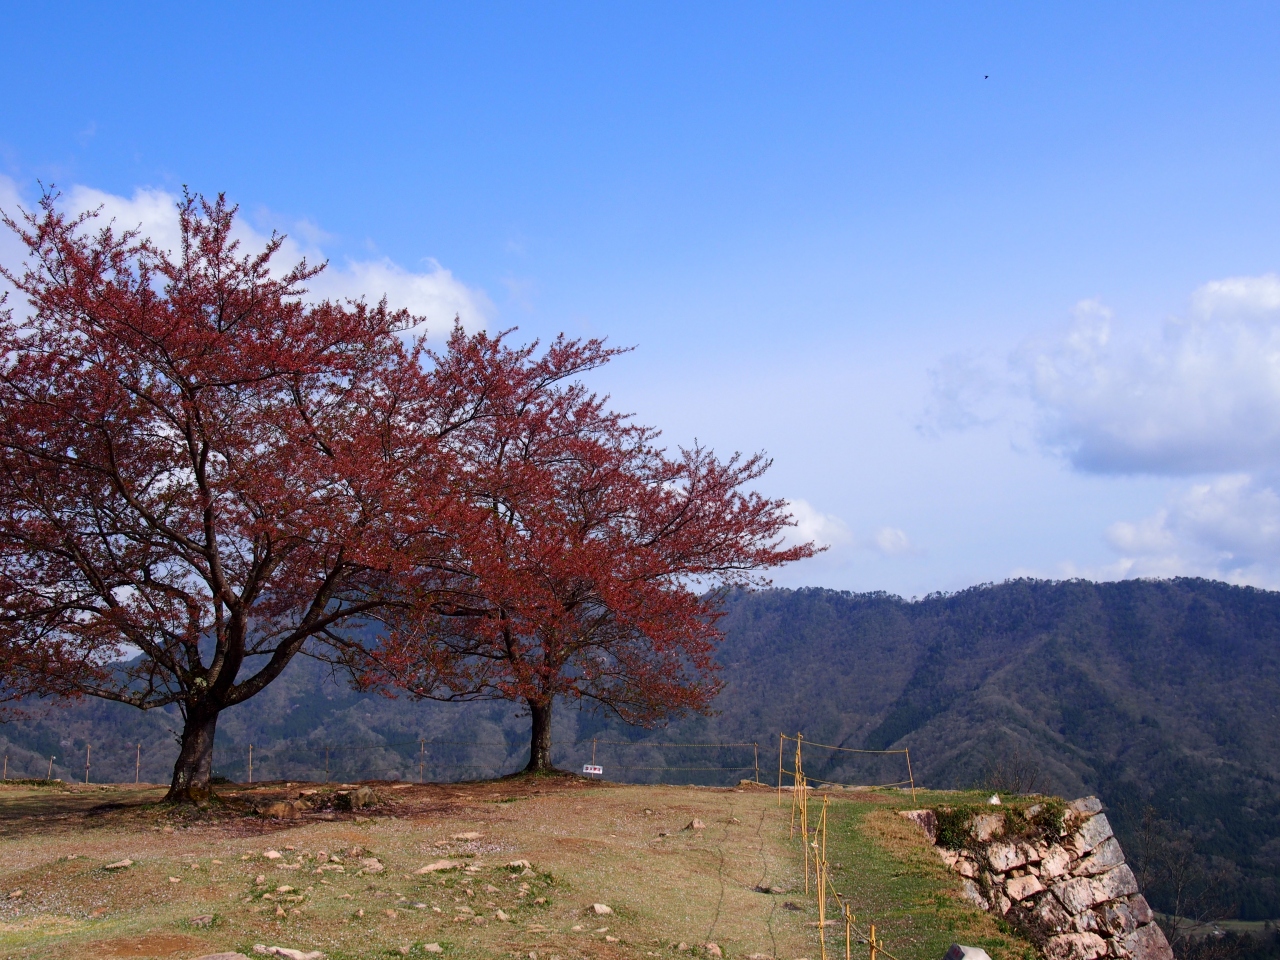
909, 775
86, 764
6, 766
326, 764
780, 739
872, 940
422, 761
50, 776
757, 749
251, 763
137, 766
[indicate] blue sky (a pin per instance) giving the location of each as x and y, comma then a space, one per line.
994, 284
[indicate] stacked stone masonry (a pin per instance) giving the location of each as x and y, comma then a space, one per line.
1077, 898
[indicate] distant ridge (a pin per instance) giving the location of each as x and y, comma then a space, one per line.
1148, 693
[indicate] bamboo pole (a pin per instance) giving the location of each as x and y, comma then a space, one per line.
872, 940
848, 934
780, 739
50, 774
821, 870
909, 775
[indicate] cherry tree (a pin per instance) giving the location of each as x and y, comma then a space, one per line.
202, 475
590, 556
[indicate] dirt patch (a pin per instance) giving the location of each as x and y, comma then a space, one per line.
147, 945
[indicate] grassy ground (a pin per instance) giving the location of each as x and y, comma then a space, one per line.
588, 842
882, 865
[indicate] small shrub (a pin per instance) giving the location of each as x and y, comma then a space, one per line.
954, 825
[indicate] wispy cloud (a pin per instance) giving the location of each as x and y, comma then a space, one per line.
811, 524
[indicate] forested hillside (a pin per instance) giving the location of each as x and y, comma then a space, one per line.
1160, 696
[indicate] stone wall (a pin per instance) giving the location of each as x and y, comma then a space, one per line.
1068, 889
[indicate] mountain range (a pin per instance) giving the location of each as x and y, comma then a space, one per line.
1161, 697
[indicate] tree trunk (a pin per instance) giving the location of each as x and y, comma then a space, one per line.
195, 759
540, 737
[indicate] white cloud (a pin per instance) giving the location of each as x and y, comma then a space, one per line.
1238, 295
1199, 396
1227, 528
823, 529
434, 293
891, 542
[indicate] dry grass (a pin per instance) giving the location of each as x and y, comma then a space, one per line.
588, 843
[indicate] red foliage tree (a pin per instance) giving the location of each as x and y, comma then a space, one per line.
589, 553
202, 476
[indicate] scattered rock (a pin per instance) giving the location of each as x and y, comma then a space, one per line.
433, 948
16, 894
1148, 943
1115, 884
1105, 856
203, 920
1004, 856
1051, 915
1086, 806
390, 913
273, 854
361, 798
927, 820
994, 800
287, 952
958, 952
468, 835
175, 879
223, 956
118, 865
1054, 863
611, 939
713, 949
986, 826
1075, 946
519, 865
682, 946
791, 906
1020, 888
501, 916
438, 866
695, 824
969, 890
282, 809
371, 865
1090, 834
601, 909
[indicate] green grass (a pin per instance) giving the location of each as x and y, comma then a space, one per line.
887, 870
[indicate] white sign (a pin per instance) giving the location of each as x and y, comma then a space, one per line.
592, 768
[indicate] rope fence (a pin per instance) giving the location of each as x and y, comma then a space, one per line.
437, 759
815, 851
800, 777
